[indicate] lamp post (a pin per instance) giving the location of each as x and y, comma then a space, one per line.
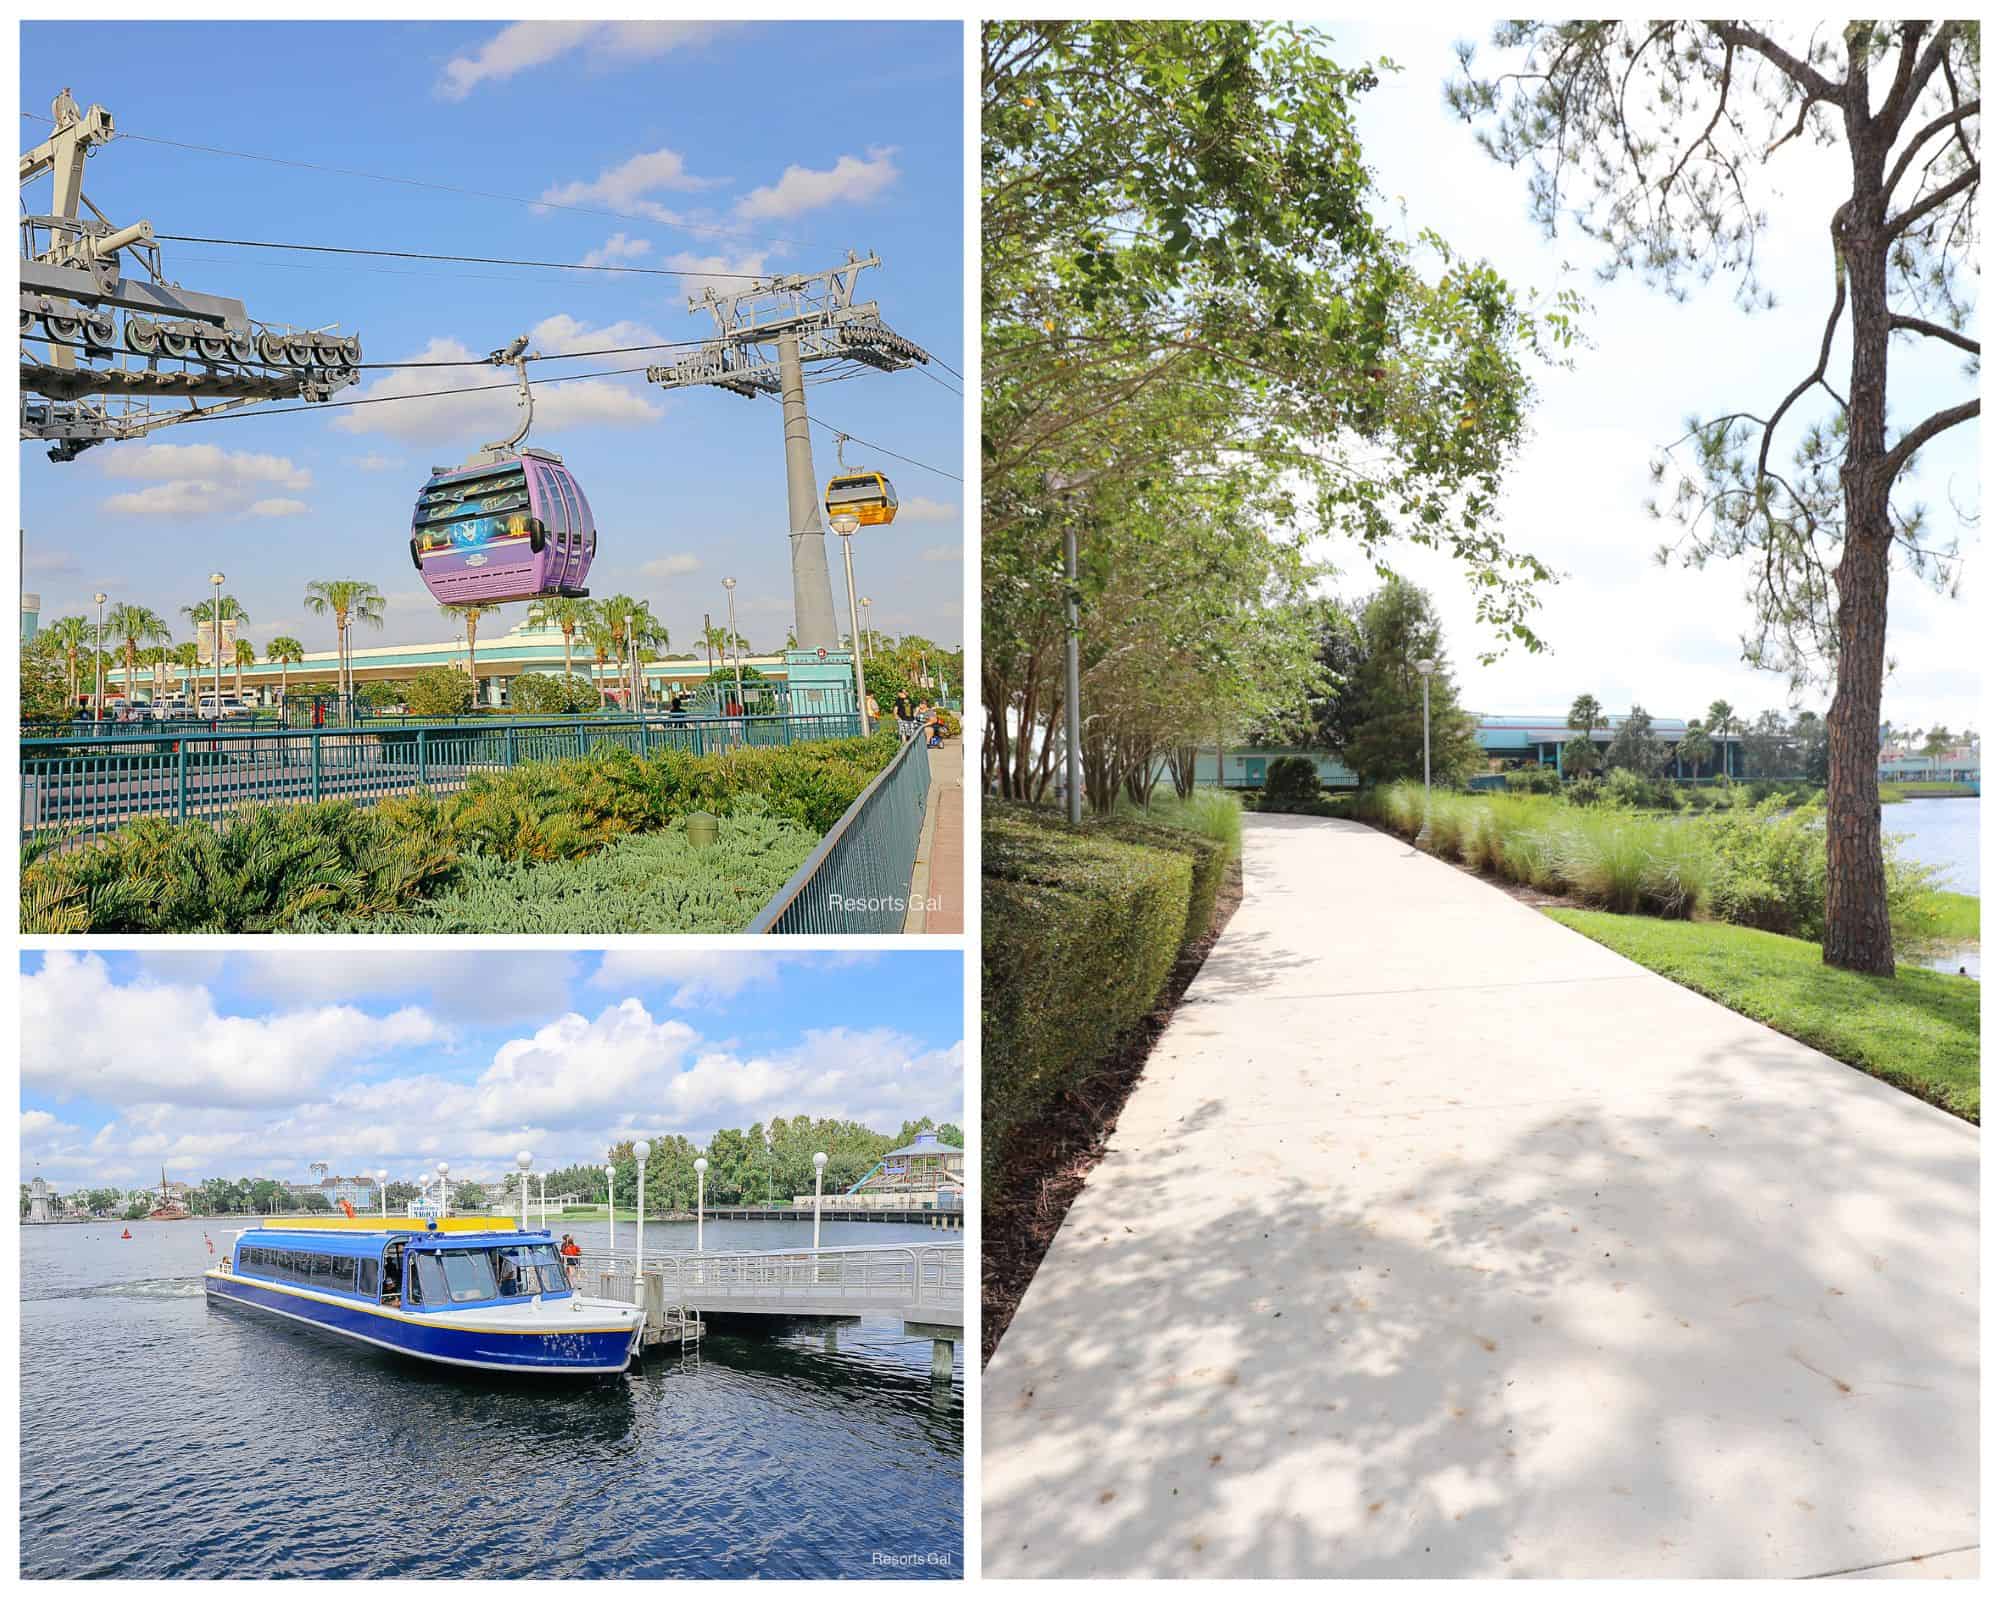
867, 632
631, 668
610, 1214
735, 655
382, 1182
444, 1190
844, 523
1425, 668
542, 1194
215, 624
97, 706
641, 1150
524, 1160
819, 1171
700, 1197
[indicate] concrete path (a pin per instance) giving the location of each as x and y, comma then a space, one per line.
1440, 1241
937, 886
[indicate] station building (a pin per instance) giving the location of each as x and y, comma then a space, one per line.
1509, 740
924, 1175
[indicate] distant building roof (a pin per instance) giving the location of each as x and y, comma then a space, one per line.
927, 1144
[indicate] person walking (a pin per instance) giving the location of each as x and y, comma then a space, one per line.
903, 721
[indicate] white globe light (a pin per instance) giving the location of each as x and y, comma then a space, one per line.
819, 1159
382, 1176
701, 1163
443, 1168
642, 1149
523, 1159
1427, 666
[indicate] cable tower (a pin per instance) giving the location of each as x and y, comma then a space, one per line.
104, 353
765, 338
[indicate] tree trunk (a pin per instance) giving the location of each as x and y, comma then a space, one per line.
1857, 891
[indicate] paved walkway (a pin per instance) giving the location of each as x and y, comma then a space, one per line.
1440, 1241
937, 887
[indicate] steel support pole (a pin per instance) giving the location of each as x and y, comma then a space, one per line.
1072, 692
854, 634
97, 710
812, 585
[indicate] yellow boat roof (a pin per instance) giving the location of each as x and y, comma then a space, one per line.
367, 1224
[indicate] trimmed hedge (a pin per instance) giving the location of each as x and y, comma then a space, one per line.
1208, 861
1082, 928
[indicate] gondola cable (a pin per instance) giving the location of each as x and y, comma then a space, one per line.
477, 261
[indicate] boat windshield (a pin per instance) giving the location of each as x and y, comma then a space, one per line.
530, 1269
467, 1277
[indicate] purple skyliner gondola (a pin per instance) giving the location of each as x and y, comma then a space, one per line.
510, 524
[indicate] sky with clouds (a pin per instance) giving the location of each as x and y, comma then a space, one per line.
1618, 626
704, 148
255, 1064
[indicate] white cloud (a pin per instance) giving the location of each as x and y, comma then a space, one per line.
921, 508
522, 45
627, 186
848, 181
725, 274
83, 1034
188, 498
167, 462
616, 250
676, 566
942, 552
189, 480
467, 420
38, 1124
375, 461
499, 986
702, 976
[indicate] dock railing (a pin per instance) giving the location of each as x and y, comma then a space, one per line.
85, 783
921, 1283
858, 878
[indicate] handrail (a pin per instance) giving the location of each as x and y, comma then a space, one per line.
780, 908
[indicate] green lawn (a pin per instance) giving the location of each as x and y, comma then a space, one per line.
1918, 1030
1951, 919
1903, 788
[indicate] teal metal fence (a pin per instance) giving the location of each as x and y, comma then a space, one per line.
858, 880
84, 784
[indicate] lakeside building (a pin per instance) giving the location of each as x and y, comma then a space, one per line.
1959, 764
361, 1193
925, 1174
1509, 741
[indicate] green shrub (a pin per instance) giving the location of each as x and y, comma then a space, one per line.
1290, 782
1208, 861
266, 871
547, 693
440, 692
654, 883
1213, 813
1081, 931
1584, 791
1533, 780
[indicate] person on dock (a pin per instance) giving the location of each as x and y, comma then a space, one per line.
903, 718
572, 1253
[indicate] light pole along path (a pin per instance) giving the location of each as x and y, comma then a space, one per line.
1437, 1240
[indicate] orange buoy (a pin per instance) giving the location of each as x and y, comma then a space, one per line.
126, 1234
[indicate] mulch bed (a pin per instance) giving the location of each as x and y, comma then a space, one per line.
1047, 1161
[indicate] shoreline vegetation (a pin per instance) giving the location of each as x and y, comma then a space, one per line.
591, 844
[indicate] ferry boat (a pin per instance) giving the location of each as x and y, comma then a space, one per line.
455, 1291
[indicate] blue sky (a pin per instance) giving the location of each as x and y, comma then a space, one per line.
1620, 627
724, 148
256, 1063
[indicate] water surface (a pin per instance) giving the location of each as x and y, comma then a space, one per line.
160, 1438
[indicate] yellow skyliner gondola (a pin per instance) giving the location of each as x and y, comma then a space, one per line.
866, 495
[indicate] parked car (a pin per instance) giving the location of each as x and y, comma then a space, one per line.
228, 709
172, 709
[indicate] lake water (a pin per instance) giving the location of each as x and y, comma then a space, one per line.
163, 1439
1942, 834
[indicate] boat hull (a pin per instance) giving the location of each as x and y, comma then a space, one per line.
591, 1349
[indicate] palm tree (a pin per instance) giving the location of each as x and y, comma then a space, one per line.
71, 633
187, 656
246, 656
351, 601
288, 653
136, 625
469, 614
597, 634
1936, 743
628, 618
1585, 714
568, 615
